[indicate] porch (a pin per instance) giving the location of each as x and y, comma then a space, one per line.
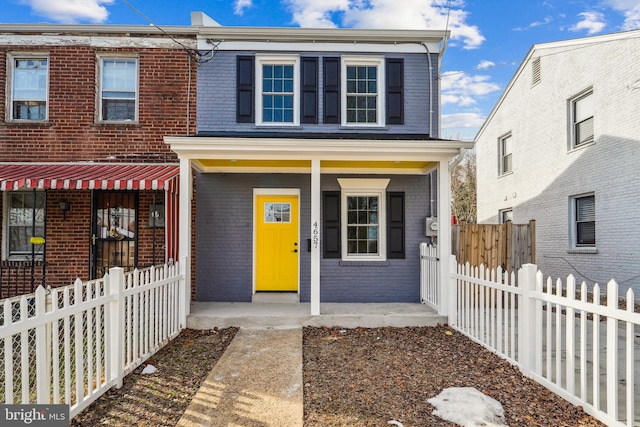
265, 315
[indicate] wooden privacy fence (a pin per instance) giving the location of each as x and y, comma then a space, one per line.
507, 245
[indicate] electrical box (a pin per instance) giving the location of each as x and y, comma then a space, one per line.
431, 226
156, 215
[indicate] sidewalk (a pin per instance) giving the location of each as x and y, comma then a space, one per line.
257, 382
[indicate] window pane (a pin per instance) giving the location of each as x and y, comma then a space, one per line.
584, 131
362, 221
118, 109
26, 219
585, 220
584, 108
118, 89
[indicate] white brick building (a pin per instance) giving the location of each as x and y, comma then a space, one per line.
562, 147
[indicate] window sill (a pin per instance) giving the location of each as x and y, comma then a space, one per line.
118, 123
29, 122
581, 146
583, 251
363, 127
364, 263
505, 174
276, 126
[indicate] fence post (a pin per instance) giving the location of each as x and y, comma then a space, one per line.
452, 290
184, 292
43, 378
527, 319
115, 283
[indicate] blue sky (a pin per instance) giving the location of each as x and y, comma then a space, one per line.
489, 38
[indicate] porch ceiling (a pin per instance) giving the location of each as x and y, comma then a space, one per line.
225, 154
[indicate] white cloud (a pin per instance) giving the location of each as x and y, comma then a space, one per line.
484, 64
71, 11
463, 85
461, 126
406, 14
241, 5
593, 22
631, 11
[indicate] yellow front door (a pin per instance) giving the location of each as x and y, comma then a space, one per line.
277, 245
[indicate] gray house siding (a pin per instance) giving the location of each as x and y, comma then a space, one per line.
217, 97
224, 242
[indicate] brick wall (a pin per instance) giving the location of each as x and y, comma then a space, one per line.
72, 133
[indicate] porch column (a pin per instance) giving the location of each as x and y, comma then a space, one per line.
444, 234
184, 235
315, 237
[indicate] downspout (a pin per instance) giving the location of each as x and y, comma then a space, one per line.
430, 90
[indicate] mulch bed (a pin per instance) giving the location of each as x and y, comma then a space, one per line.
367, 377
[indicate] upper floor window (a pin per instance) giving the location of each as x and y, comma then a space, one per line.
362, 83
29, 87
25, 221
584, 218
277, 99
582, 119
506, 152
118, 89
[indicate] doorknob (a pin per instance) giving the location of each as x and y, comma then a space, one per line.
295, 250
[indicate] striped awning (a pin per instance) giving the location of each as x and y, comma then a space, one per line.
89, 176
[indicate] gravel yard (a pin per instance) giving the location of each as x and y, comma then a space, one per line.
352, 377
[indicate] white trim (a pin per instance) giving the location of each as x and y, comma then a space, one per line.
573, 102
316, 238
573, 224
11, 57
347, 46
353, 187
277, 60
274, 192
361, 60
501, 154
115, 56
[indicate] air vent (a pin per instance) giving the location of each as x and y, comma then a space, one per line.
535, 72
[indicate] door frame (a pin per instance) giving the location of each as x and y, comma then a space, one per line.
271, 192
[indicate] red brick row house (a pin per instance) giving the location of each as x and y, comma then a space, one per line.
86, 180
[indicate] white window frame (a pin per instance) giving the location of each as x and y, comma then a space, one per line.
278, 60
354, 187
376, 61
502, 155
575, 120
502, 213
574, 222
6, 254
11, 67
101, 60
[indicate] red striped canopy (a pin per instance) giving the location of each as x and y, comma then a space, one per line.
89, 176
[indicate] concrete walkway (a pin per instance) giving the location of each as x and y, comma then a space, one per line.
256, 383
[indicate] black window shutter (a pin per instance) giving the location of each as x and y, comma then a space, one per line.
309, 99
395, 91
245, 87
331, 224
331, 101
395, 225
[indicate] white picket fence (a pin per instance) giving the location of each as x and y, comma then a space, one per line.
558, 333
70, 345
429, 275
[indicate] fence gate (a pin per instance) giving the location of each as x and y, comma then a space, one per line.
429, 275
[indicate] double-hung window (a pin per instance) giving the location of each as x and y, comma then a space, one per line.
25, 223
29, 87
364, 217
118, 89
582, 108
584, 213
506, 152
362, 94
277, 98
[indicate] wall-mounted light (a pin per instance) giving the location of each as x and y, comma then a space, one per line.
65, 206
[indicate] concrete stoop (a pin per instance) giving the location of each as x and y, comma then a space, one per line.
277, 315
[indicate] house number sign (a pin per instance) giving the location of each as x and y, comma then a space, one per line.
315, 240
